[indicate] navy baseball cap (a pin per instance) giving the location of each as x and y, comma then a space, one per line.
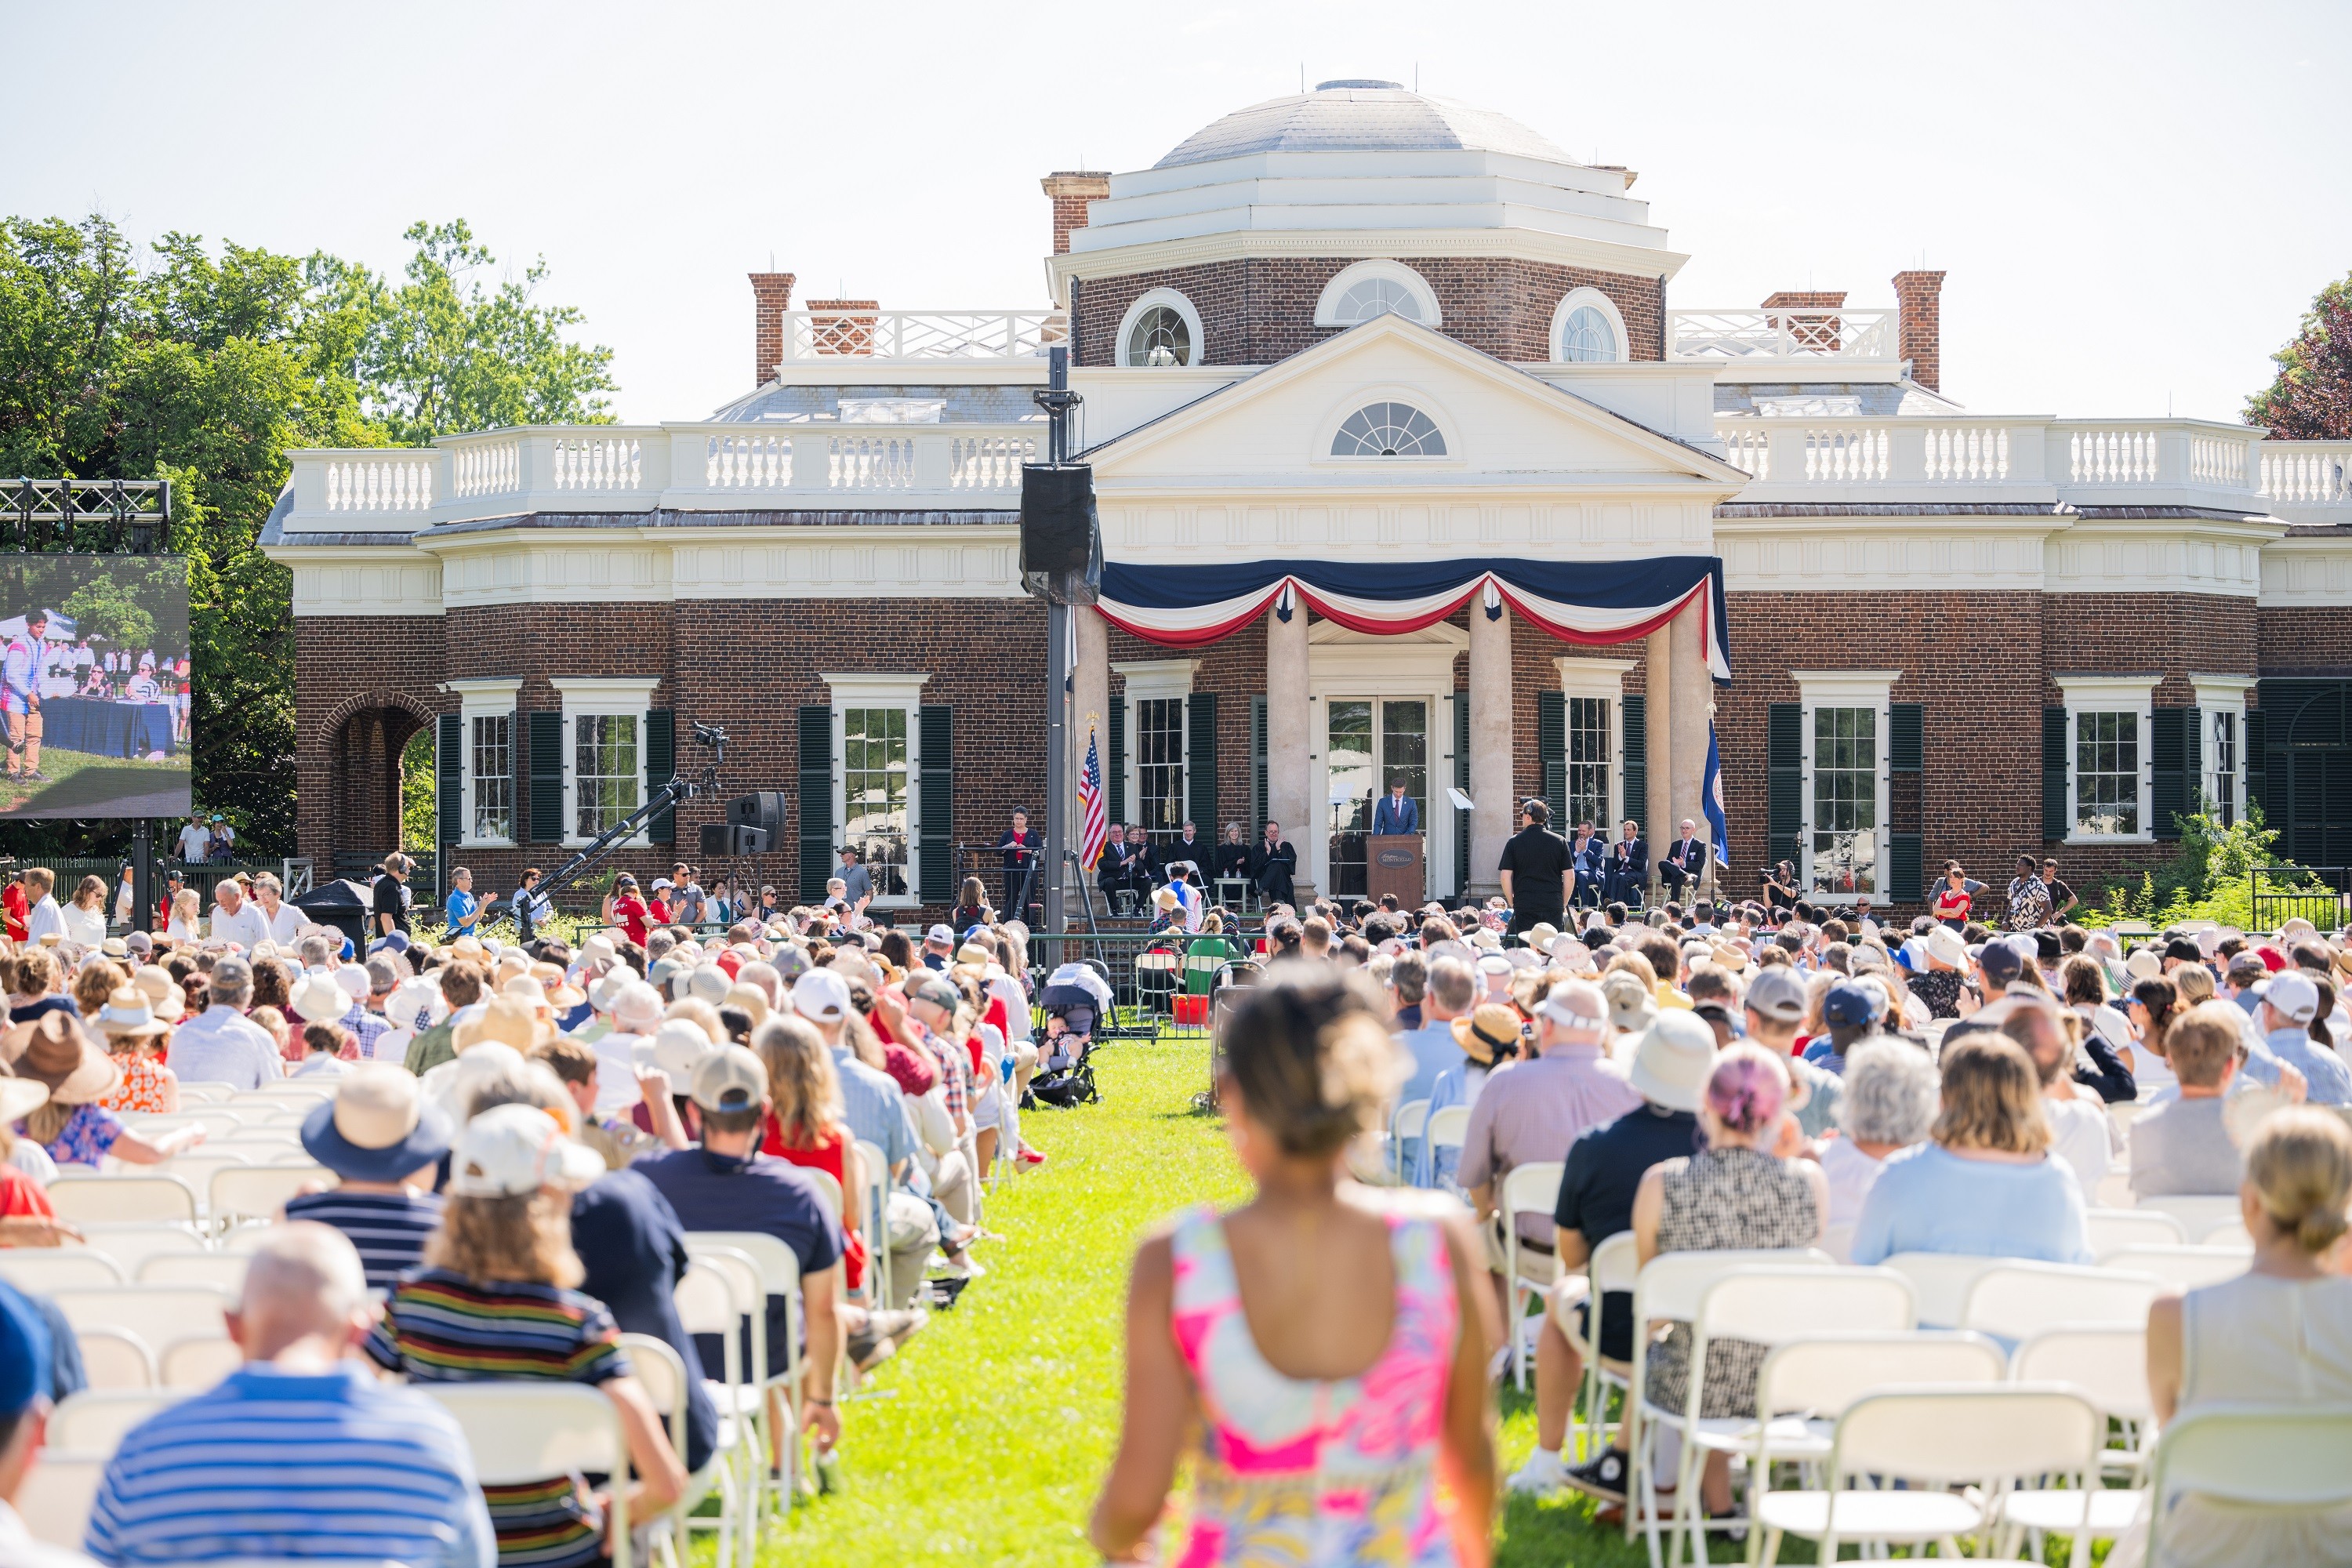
1848, 1007
25, 1353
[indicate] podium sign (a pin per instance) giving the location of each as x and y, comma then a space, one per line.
1393, 864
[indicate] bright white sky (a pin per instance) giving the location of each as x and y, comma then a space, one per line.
2135, 202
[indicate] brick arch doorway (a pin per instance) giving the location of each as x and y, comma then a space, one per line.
363, 749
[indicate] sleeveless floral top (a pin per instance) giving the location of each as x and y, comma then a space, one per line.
1317, 1474
142, 1088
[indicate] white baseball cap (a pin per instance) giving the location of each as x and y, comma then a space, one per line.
940, 934
2293, 996
511, 1149
822, 996
680, 1045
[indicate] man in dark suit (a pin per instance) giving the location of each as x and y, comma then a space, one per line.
1686, 859
1588, 854
1397, 811
1189, 845
1115, 872
1627, 876
1273, 864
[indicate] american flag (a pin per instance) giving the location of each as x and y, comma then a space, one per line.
1093, 827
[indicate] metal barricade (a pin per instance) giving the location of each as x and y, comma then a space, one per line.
1163, 982
2320, 894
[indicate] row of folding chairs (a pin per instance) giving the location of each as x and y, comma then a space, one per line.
1442, 1128
232, 1194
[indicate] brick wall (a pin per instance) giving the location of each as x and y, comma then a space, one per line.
1918, 296
772, 296
1532, 672
2303, 639
1069, 191
2170, 634
362, 685
1259, 309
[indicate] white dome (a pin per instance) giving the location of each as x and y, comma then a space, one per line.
1351, 116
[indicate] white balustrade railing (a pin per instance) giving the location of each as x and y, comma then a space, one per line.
871, 462
1798, 332
2113, 456
747, 460
852, 332
597, 464
1961, 453
399, 483
989, 462
2306, 473
485, 468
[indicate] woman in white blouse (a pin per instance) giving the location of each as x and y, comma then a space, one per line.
85, 918
186, 924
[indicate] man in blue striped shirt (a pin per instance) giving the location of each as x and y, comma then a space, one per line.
300, 1452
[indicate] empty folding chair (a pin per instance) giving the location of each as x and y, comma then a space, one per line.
663, 1373
2273, 1459
780, 1275
1956, 1451
160, 1315
94, 1423
2112, 1230
198, 1361
1940, 1282
2011, 1300
1531, 1188
2110, 1366
259, 1192
112, 1360
206, 1093
56, 1501
2185, 1267
43, 1270
1409, 1121
876, 1201
2200, 1217
1611, 1268
720, 1294
150, 1200
1805, 1384
224, 1271
531, 1430
1446, 1129
132, 1244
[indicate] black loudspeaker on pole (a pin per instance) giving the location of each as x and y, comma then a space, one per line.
1061, 563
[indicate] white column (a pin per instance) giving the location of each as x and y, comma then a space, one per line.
1658, 685
1492, 784
1289, 738
1693, 705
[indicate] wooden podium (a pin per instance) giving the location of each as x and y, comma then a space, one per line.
1393, 864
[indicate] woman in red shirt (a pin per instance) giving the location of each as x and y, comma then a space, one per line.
804, 1124
1952, 900
629, 911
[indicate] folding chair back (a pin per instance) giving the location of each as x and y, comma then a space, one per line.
132, 1244
206, 1093
150, 1200
218, 1121
113, 1359
1616, 1263
1948, 1436
1821, 1376
2187, 1266
1670, 1284
2233, 1234
1837, 1240
197, 1165
875, 1203
2279, 1459
1940, 1282
658, 1368
2200, 1217
94, 1422
1447, 1128
829, 1187
259, 1192
2112, 1230
160, 1315
43, 1270
1770, 1304
2014, 1299
709, 1302
528, 1429
198, 1362
302, 1091
2110, 1364
56, 1501
1532, 1188
1411, 1118
223, 1269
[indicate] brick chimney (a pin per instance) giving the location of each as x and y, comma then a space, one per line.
1071, 190
772, 296
1822, 332
843, 326
1917, 297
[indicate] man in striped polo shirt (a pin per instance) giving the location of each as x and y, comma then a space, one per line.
300, 1452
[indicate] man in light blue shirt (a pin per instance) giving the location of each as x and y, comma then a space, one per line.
2289, 1005
465, 910
221, 1044
1453, 990
300, 1452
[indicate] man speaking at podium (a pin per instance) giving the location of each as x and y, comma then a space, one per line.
1396, 813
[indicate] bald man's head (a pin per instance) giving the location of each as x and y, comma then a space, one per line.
304, 1282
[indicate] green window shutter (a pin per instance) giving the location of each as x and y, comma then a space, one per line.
935, 807
1462, 783
816, 801
1906, 738
1257, 770
2057, 811
1115, 770
1907, 870
518, 762
2194, 759
1201, 764
450, 795
1784, 766
2250, 748
1551, 751
547, 778
1633, 715
2170, 793
661, 764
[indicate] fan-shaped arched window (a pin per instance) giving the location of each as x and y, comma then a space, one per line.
1587, 336
1375, 297
1367, 289
1159, 337
1387, 430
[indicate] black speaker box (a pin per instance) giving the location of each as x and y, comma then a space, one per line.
765, 809
1057, 517
720, 839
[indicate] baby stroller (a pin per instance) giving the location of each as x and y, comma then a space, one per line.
1074, 998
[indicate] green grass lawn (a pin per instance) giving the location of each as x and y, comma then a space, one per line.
982, 1442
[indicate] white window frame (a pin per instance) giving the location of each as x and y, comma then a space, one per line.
1872, 689
1603, 678
1150, 299
1327, 433
484, 697
1425, 298
901, 690
2110, 694
1150, 680
588, 697
2220, 694
1576, 300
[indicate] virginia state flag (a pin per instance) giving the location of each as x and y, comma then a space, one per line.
1711, 797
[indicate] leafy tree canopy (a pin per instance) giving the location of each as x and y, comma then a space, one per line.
204, 366
2311, 400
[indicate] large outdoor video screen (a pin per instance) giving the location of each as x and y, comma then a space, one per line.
94, 686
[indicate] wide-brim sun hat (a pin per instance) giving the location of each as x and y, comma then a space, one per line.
20, 1097
128, 1017
1486, 1031
1674, 1061
164, 993
53, 1050
317, 999
377, 1128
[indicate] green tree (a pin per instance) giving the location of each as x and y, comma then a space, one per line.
2311, 398
101, 608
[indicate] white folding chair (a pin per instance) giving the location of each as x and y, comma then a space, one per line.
2110, 1366
2112, 1230
875, 1200
43, 1270
663, 1373
94, 1422
206, 1093
259, 1192
780, 1275
147, 1200
1940, 1282
196, 1166
160, 1315
2200, 1217
1669, 1286
720, 1294
112, 1360
1837, 1240
1805, 1384
58, 1494
1532, 1188
303, 1092
218, 1121
132, 1244
224, 1271
2187, 1266
1408, 1121
1940, 1440
2013, 1299
828, 1186
1446, 1129
1762, 1305
1613, 1267
198, 1361
2233, 1234
529, 1430
2276, 1459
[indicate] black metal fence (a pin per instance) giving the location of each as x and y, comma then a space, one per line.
2320, 894
1165, 982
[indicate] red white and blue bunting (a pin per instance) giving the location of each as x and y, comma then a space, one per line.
1593, 601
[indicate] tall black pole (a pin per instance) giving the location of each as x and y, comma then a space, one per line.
142, 874
1057, 656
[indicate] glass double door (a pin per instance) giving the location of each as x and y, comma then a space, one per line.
1370, 742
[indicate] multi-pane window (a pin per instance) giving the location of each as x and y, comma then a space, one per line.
1348, 759
875, 820
1159, 764
1588, 760
490, 775
606, 774
1161, 336
1404, 751
1587, 336
1387, 430
2224, 789
1375, 297
2107, 773
1844, 856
